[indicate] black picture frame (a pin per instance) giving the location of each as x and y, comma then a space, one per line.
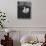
24, 10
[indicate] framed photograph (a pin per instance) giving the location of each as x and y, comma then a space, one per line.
24, 10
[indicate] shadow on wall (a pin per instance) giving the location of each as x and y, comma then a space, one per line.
16, 43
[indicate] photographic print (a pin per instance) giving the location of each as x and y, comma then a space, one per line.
24, 10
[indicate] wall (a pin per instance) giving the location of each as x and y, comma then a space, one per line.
38, 14
37, 23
